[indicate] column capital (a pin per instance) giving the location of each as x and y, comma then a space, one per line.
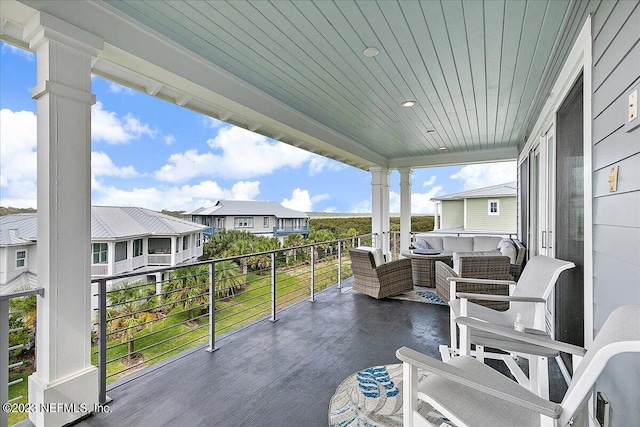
379, 175
405, 176
43, 27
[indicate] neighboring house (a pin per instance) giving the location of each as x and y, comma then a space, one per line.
123, 239
269, 219
18, 252
487, 209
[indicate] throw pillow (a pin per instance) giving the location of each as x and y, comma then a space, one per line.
421, 244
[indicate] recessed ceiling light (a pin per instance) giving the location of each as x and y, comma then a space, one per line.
431, 131
442, 148
408, 103
370, 52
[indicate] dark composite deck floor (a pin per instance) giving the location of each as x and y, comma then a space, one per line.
279, 374
284, 373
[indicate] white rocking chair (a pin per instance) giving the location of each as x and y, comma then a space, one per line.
470, 393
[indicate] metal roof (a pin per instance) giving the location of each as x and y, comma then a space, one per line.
115, 222
248, 207
509, 189
107, 222
18, 229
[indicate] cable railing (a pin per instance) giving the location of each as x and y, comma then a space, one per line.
189, 307
17, 350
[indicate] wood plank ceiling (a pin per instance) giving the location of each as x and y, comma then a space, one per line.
473, 67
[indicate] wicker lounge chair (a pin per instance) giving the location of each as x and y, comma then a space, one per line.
379, 281
470, 393
476, 267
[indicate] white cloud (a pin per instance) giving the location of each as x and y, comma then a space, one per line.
319, 164
238, 154
487, 174
28, 55
116, 88
212, 123
363, 206
431, 181
301, 200
18, 158
169, 139
102, 165
420, 202
175, 197
108, 127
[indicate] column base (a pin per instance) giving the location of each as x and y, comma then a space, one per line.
63, 401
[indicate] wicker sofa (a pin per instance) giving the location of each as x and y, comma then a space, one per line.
478, 245
477, 257
377, 278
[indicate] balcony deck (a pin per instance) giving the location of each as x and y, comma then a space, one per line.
282, 373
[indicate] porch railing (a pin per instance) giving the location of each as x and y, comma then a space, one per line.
14, 338
198, 305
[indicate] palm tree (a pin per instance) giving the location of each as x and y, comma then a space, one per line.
130, 308
227, 279
241, 247
292, 241
188, 289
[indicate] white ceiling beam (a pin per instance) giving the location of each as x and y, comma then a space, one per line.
451, 159
183, 99
153, 88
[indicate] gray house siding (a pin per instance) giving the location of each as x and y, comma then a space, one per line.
478, 218
616, 216
452, 213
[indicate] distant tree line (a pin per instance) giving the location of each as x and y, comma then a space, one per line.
362, 225
11, 211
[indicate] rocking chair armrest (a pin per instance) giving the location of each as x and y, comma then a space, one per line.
535, 338
481, 281
507, 298
517, 395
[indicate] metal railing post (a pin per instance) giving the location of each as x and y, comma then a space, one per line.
102, 342
359, 242
4, 358
212, 307
273, 287
339, 264
313, 273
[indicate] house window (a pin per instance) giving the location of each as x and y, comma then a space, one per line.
159, 246
21, 259
494, 207
185, 243
243, 222
265, 222
99, 251
121, 251
198, 240
137, 247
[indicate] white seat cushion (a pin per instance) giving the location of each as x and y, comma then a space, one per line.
378, 258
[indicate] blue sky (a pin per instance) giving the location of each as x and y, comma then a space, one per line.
150, 153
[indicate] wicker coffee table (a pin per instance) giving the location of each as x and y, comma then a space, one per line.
423, 266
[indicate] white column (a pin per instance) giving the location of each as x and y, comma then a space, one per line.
380, 206
436, 218
64, 372
405, 208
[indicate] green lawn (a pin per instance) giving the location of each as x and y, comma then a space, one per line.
173, 334
15, 390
